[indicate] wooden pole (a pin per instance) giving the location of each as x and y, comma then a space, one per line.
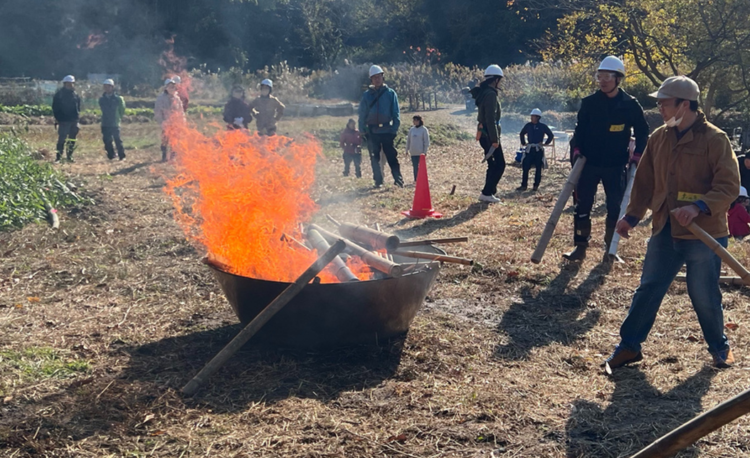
562, 200
375, 239
338, 266
433, 241
720, 251
734, 281
331, 219
369, 258
434, 257
262, 318
700, 426
623, 207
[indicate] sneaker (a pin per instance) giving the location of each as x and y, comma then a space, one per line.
122, 158
723, 359
578, 254
378, 185
400, 184
621, 357
488, 199
521, 188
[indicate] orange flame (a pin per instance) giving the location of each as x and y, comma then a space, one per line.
175, 65
237, 195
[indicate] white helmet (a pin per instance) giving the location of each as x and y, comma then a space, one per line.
493, 70
376, 70
108, 82
176, 79
612, 64
536, 112
743, 191
69, 79
267, 82
168, 81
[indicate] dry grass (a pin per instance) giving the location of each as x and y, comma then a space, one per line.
103, 322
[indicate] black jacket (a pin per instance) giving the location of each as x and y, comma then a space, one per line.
489, 111
604, 128
66, 105
536, 133
237, 108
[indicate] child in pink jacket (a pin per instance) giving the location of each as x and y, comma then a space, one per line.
738, 217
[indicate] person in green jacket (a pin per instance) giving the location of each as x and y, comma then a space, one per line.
488, 130
113, 108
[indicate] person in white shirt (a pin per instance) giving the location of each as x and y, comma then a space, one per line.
417, 142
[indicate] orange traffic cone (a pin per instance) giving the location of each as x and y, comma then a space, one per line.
422, 206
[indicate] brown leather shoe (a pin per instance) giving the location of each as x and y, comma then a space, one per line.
621, 357
723, 359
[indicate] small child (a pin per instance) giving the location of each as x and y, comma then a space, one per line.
417, 142
738, 216
351, 141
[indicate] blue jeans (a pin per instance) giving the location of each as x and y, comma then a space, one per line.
665, 257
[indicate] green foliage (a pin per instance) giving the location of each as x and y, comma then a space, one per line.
35, 363
25, 183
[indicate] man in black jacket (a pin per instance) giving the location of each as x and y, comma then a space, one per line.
602, 135
488, 130
66, 107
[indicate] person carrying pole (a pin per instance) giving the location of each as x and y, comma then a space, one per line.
532, 136
487, 98
688, 174
379, 120
602, 135
113, 109
66, 107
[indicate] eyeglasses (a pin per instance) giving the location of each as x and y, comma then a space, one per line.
667, 102
604, 77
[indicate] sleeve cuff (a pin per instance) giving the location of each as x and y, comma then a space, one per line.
632, 220
702, 206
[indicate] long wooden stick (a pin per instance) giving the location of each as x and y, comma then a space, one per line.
698, 427
562, 200
369, 257
720, 251
623, 207
262, 318
375, 239
338, 266
433, 241
433, 257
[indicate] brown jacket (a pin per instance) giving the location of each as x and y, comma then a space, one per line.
673, 174
267, 111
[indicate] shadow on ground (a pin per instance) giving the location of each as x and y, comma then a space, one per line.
553, 315
131, 169
637, 415
432, 225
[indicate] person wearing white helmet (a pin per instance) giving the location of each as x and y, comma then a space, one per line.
112, 106
168, 109
66, 107
533, 139
738, 218
182, 92
606, 121
487, 100
237, 112
379, 120
267, 109
688, 174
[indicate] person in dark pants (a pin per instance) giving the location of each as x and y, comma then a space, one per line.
602, 136
379, 120
351, 142
744, 161
113, 109
487, 100
237, 111
417, 143
532, 136
66, 107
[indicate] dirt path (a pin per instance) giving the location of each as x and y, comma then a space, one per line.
103, 322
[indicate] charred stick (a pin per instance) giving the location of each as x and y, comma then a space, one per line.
337, 265
434, 257
289, 238
368, 257
335, 223
364, 235
262, 318
433, 241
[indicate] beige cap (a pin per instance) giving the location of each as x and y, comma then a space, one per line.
678, 87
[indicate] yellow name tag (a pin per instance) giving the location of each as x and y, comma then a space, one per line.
617, 127
688, 197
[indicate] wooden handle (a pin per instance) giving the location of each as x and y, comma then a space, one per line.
720, 251
433, 241
262, 318
562, 199
615, 243
698, 427
434, 257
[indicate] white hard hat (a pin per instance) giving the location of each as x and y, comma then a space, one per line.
612, 64
493, 70
168, 81
743, 191
376, 70
176, 79
108, 82
536, 112
267, 82
69, 79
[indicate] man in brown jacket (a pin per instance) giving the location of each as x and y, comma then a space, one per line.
688, 173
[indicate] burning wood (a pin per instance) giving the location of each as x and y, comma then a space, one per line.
370, 258
364, 235
337, 265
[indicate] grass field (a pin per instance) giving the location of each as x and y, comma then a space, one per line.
103, 321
